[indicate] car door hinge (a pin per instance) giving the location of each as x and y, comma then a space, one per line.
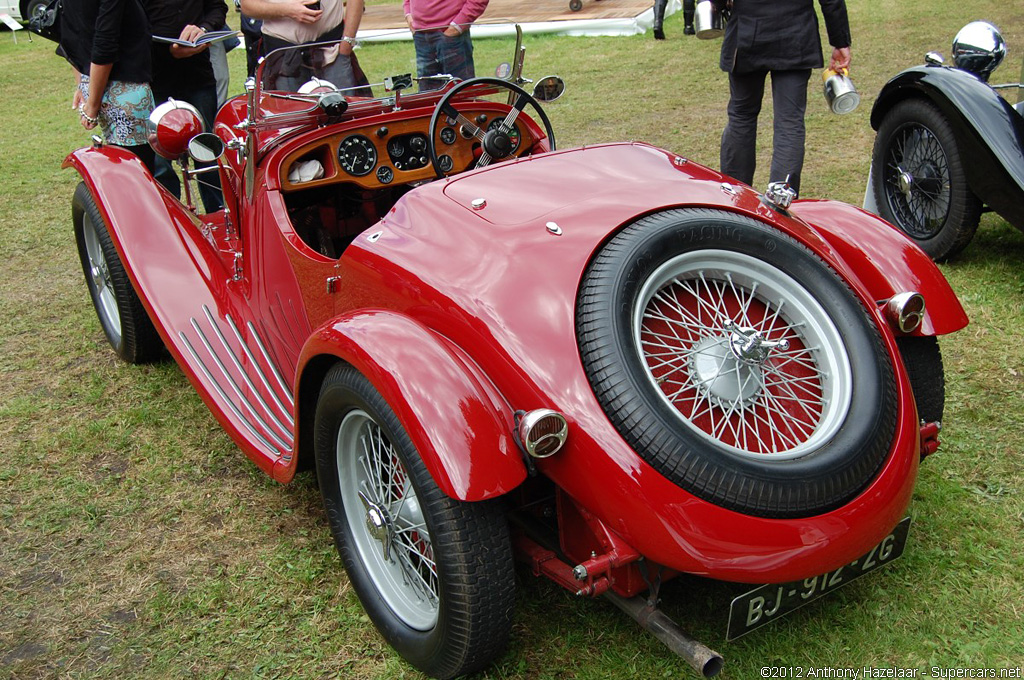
332, 283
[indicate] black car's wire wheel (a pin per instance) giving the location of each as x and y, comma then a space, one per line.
919, 180
434, 574
736, 363
124, 320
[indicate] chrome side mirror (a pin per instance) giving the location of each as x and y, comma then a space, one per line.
548, 89
206, 147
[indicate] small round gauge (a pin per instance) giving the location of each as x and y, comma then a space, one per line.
418, 143
513, 133
445, 163
385, 174
357, 155
448, 135
396, 149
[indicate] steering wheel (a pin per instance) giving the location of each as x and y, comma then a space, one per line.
496, 143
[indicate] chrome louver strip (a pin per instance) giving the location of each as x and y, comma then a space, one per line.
245, 375
241, 417
275, 394
237, 390
273, 367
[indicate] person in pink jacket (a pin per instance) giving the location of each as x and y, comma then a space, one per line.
440, 32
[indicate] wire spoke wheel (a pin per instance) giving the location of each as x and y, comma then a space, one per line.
743, 353
125, 321
736, 363
435, 574
917, 181
388, 528
99, 280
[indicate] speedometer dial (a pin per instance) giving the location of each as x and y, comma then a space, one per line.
357, 155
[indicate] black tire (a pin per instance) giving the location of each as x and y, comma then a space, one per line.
449, 620
748, 422
923, 361
124, 320
31, 8
919, 181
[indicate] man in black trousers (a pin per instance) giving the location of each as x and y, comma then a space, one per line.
659, 17
780, 38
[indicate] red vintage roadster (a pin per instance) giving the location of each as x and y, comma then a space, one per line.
610, 362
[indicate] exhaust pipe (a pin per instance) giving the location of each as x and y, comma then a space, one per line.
703, 659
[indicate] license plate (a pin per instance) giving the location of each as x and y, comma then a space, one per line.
769, 602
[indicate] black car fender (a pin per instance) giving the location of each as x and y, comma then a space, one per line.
989, 131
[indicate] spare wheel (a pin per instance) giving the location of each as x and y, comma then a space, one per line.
736, 363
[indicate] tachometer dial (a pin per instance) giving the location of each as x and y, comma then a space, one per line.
357, 155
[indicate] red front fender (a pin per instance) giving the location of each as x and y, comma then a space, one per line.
885, 261
457, 421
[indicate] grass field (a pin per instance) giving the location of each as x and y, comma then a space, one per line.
136, 541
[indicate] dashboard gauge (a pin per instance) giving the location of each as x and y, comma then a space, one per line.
396, 149
385, 174
513, 134
448, 135
445, 163
357, 155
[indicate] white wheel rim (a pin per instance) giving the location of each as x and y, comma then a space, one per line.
99, 277
744, 355
386, 524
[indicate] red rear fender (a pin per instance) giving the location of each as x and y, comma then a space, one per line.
458, 422
885, 261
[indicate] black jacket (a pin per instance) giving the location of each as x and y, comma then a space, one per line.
107, 32
168, 18
763, 35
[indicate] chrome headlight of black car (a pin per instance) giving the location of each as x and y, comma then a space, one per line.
978, 48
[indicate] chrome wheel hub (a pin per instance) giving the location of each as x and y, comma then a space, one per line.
906, 183
721, 376
749, 345
379, 524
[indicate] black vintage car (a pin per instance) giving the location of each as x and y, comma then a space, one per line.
949, 145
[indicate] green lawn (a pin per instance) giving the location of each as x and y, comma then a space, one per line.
137, 541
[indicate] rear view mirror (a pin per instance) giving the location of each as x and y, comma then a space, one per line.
549, 89
206, 147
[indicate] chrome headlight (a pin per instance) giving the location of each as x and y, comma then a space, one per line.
978, 48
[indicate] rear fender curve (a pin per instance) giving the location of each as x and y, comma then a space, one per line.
459, 424
977, 115
885, 261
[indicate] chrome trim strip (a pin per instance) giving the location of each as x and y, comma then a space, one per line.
273, 367
273, 450
238, 392
288, 429
286, 410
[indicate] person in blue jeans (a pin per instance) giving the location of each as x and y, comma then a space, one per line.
440, 33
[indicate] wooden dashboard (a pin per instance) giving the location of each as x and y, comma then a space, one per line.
384, 154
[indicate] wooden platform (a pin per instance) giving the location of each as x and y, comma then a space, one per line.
388, 15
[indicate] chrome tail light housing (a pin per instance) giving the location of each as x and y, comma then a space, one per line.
542, 432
